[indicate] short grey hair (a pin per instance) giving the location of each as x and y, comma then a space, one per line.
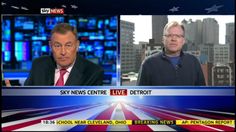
173, 24
63, 28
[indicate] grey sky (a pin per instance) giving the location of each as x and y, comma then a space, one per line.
143, 27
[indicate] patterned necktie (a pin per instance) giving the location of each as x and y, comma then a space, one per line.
60, 81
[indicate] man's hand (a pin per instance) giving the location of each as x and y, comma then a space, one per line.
7, 82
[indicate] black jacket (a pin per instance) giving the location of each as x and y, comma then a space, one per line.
157, 70
83, 72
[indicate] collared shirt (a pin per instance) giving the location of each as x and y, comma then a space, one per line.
66, 75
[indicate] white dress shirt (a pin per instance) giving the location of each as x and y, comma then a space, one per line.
66, 75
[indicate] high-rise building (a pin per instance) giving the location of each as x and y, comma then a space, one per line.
152, 48
230, 40
127, 52
193, 31
143, 49
210, 31
221, 53
138, 56
158, 24
221, 74
201, 33
208, 51
232, 65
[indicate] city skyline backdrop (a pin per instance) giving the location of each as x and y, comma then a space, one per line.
143, 24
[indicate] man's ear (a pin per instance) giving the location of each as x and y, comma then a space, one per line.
162, 40
184, 41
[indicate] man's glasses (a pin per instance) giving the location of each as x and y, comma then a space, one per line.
174, 35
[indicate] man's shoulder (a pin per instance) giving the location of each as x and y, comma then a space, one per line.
153, 58
90, 66
190, 57
43, 61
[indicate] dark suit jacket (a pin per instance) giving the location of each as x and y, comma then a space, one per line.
83, 73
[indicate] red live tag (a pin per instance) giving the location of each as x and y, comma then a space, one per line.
118, 92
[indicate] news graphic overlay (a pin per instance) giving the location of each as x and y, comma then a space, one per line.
104, 109
109, 34
52, 11
138, 122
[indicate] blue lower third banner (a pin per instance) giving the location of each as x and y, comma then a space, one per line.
118, 109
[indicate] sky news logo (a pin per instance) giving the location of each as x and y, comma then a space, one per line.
52, 11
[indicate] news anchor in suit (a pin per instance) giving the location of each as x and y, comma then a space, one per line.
65, 66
